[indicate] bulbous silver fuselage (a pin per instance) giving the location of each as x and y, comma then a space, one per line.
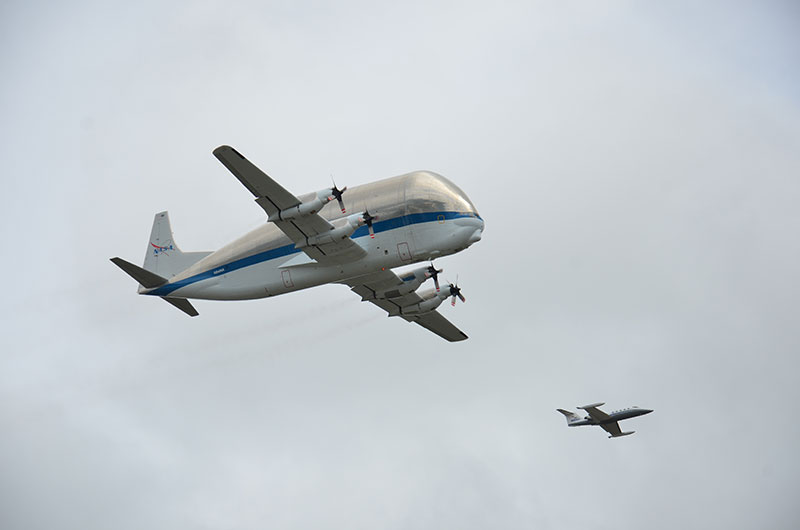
419, 216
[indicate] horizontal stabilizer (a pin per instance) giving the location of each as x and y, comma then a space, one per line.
183, 304
145, 277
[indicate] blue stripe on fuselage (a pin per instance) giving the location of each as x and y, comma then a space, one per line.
377, 226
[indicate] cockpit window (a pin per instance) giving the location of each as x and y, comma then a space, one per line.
428, 192
418, 192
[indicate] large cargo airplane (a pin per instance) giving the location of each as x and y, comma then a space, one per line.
399, 221
607, 422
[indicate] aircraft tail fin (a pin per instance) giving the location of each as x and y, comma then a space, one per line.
163, 256
571, 416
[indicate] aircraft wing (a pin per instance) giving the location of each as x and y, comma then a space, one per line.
612, 428
595, 413
368, 285
434, 321
274, 198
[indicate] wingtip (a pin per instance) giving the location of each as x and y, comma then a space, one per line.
223, 149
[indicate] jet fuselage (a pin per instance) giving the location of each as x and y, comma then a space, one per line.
613, 417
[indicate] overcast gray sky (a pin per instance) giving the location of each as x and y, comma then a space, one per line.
636, 164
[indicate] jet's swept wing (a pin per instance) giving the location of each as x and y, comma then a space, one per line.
612, 429
372, 285
302, 229
595, 413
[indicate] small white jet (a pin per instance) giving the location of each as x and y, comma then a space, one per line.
608, 422
400, 221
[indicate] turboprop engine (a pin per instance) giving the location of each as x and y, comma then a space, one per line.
342, 228
309, 207
431, 299
412, 281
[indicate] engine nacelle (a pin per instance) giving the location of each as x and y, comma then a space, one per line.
411, 282
344, 230
430, 301
306, 208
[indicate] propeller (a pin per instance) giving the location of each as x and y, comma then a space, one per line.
337, 194
367, 218
432, 272
455, 291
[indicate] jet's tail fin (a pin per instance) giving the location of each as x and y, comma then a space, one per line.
571, 416
163, 256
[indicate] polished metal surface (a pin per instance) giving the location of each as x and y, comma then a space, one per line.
391, 198
426, 191
416, 192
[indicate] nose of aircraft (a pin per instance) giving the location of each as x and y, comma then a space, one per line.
476, 235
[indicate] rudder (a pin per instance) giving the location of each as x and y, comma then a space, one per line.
571, 416
163, 256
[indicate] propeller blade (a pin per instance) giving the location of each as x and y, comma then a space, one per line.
455, 291
434, 273
367, 218
337, 193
